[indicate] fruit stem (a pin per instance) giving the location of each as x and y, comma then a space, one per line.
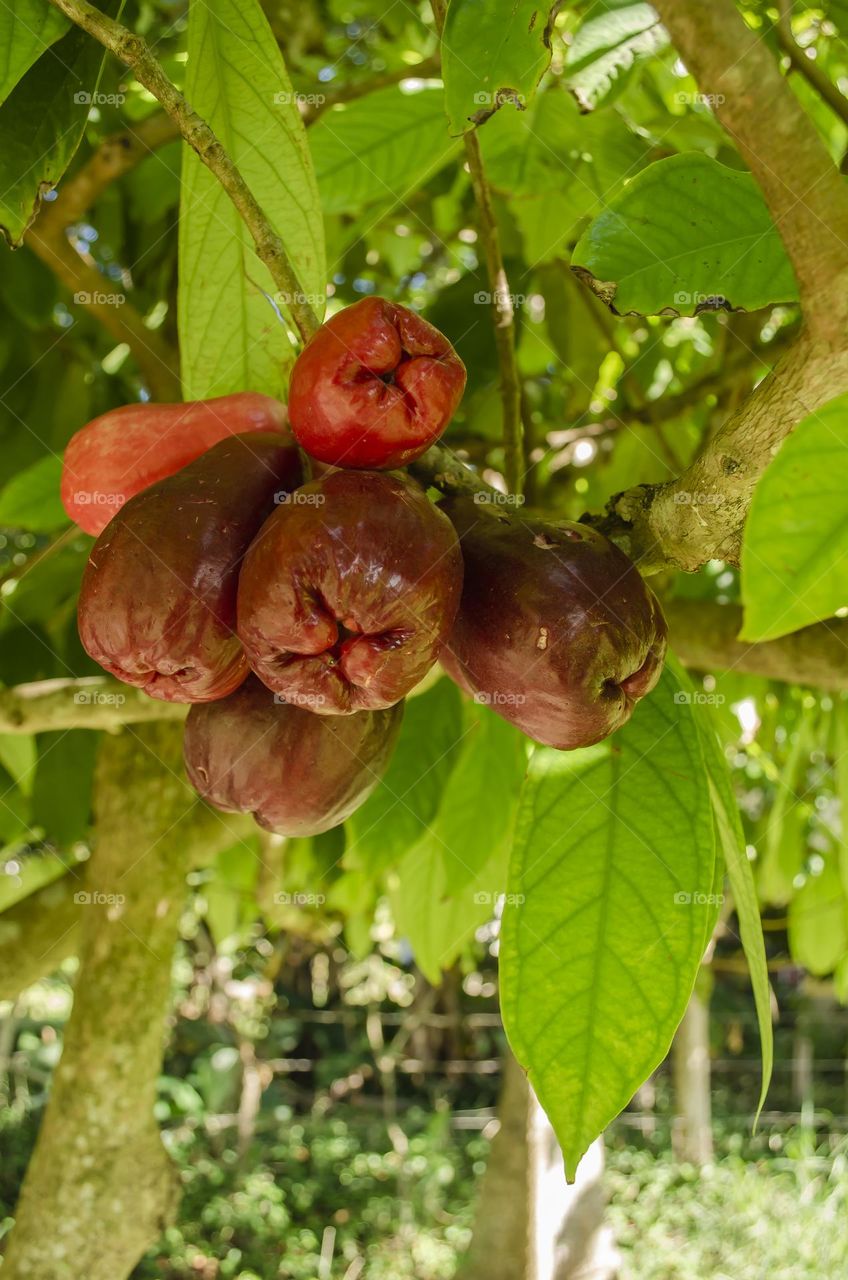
135, 53
503, 314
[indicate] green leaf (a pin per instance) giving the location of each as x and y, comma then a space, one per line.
493, 52
380, 149
784, 844
231, 337
61, 800
818, 921
31, 499
18, 756
27, 29
796, 534
394, 817
477, 810
42, 122
607, 909
606, 45
686, 235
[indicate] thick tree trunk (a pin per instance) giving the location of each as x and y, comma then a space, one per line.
99, 1187
530, 1225
693, 1133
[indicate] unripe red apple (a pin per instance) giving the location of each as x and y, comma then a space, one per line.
375, 387
557, 631
126, 450
297, 773
348, 592
158, 601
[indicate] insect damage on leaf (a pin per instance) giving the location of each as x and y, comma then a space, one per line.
686, 303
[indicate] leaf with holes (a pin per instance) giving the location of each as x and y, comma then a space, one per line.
795, 546
493, 53
607, 45
686, 235
231, 335
379, 150
608, 902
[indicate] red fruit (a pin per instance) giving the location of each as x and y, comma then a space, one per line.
298, 774
375, 387
557, 631
348, 592
115, 456
158, 602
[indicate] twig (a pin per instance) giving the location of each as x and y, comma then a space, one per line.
47, 238
515, 464
135, 53
91, 702
807, 67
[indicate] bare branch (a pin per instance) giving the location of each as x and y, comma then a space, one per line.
814, 74
135, 53
91, 702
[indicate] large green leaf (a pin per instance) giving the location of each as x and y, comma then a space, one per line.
397, 813
27, 29
42, 122
61, 800
686, 235
380, 149
231, 337
606, 46
818, 921
493, 52
795, 547
31, 498
607, 910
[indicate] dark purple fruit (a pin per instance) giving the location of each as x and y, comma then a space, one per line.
557, 631
297, 773
158, 602
348, 592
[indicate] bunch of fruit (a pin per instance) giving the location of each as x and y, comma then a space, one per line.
296, 614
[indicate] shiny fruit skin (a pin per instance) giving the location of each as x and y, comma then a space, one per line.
158, 602
348, 592
557, 631
297, 773
126, 450
374, 388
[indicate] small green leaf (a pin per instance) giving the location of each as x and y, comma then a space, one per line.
380, 149
493, 52
818, 921
31, 500
606, 45
686, 235
796, 535
607, 908
18, 756
27, 29
61, 800
395, 816
231, 337
42, 122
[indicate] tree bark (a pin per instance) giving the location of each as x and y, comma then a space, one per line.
693, 1133
99, 1188
37, 934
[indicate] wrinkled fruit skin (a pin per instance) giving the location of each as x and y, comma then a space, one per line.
349, 590
297, 773
375, 387
556, 631
158, 602
126, 450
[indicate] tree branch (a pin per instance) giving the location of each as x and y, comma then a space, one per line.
135, 53
503, 314
808, 67
37, 934
91, 702
704, 637
47, 238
